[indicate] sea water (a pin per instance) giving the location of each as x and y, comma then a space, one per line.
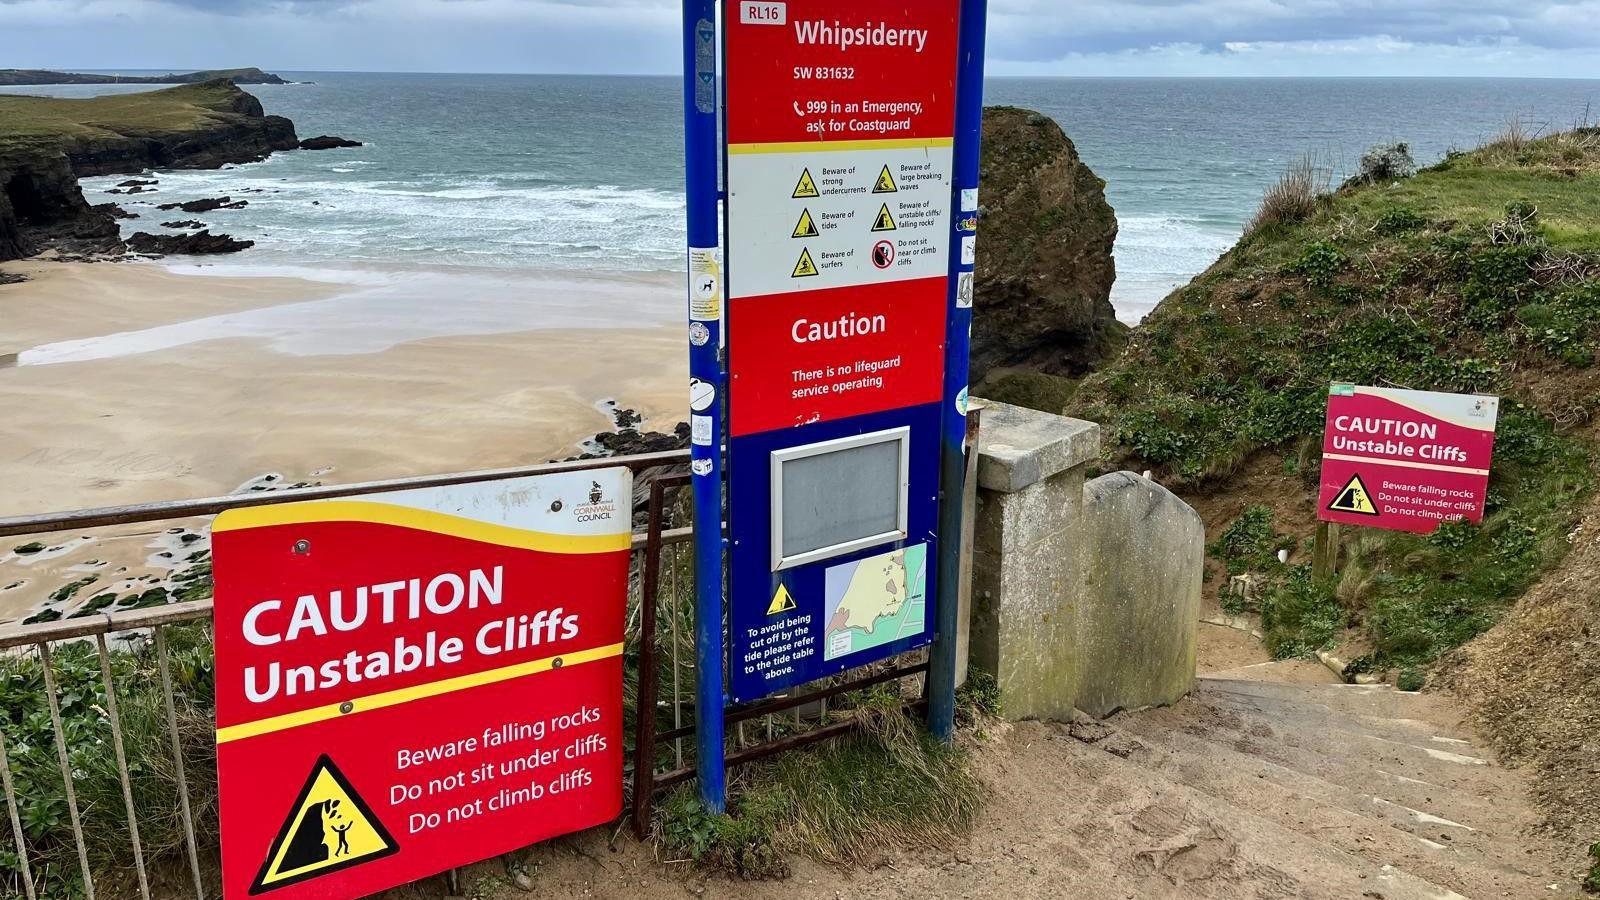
585, 173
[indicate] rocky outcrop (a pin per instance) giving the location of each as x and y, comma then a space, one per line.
1043, 299
41, 206
327, 142
201, 242
184, 223
206, 205
194, 126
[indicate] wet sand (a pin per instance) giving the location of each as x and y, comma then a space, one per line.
203, 418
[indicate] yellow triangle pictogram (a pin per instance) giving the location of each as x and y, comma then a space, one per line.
805, 187
328, 828
805, 228
884, 222
782, 601
885, 183
1353, 498
805, 267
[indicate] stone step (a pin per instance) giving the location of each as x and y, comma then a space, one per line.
1344, 743
1381, 700
1452, 854
1462, 793
1182, 833
1418, 732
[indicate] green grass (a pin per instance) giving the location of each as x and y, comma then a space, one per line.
1591, 882
25, 721
886, 785
29, 122
1479, 275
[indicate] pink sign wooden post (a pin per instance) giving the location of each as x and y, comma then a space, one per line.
1405, 460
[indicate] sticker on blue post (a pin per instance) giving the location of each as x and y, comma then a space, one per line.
705, 283
969, 200
705, 66
964, 290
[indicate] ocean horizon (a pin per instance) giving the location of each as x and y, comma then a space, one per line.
582, 173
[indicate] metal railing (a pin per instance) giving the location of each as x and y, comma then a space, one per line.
659, 668
145, 632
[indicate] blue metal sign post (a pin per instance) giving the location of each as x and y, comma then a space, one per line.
706, 288
942, 660
829, 346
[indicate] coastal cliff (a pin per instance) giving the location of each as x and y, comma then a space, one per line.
251, 75
1043, 300
1480, 274
46, 144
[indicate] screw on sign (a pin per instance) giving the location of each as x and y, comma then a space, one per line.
440, 682
1405, 460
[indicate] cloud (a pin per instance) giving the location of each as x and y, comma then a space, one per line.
1227, 36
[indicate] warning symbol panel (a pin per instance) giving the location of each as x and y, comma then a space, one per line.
885, 183
1353, 498
328, 828
806, 187
884, 221
782, 602
805, 268
806, 227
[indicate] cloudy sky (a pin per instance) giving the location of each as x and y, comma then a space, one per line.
1067, 37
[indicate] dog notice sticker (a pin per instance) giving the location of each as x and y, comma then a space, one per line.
1405, 460
417, 680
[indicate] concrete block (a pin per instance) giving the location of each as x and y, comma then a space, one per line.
1019, 447
1143, 568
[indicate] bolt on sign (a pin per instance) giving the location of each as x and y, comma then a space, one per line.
839, 128
1405, 460
417, 680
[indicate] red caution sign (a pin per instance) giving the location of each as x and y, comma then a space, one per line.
414, 681
840, 123
1405, 460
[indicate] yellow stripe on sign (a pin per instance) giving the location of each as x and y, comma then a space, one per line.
836, 146
416, 692
421, 520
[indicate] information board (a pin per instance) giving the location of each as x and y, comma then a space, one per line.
412, 681
839, 125
1405, 460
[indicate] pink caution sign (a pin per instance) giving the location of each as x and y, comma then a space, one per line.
1405, 460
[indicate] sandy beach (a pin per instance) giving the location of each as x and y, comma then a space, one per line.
128, 383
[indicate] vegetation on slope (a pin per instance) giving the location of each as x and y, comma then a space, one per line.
34, 123
1479, 274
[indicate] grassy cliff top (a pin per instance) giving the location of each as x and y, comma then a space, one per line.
247, 75
31, 123
1479, 274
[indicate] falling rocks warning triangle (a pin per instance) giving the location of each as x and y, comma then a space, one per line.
328, 828
782, 601
1353, 498
805, 267
884, 221
805, 187
885, 183
805, 228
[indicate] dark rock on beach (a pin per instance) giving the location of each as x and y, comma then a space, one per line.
327, 142
135, 182
202, 242
206, 205
184, 223
114, 211
1043, 299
